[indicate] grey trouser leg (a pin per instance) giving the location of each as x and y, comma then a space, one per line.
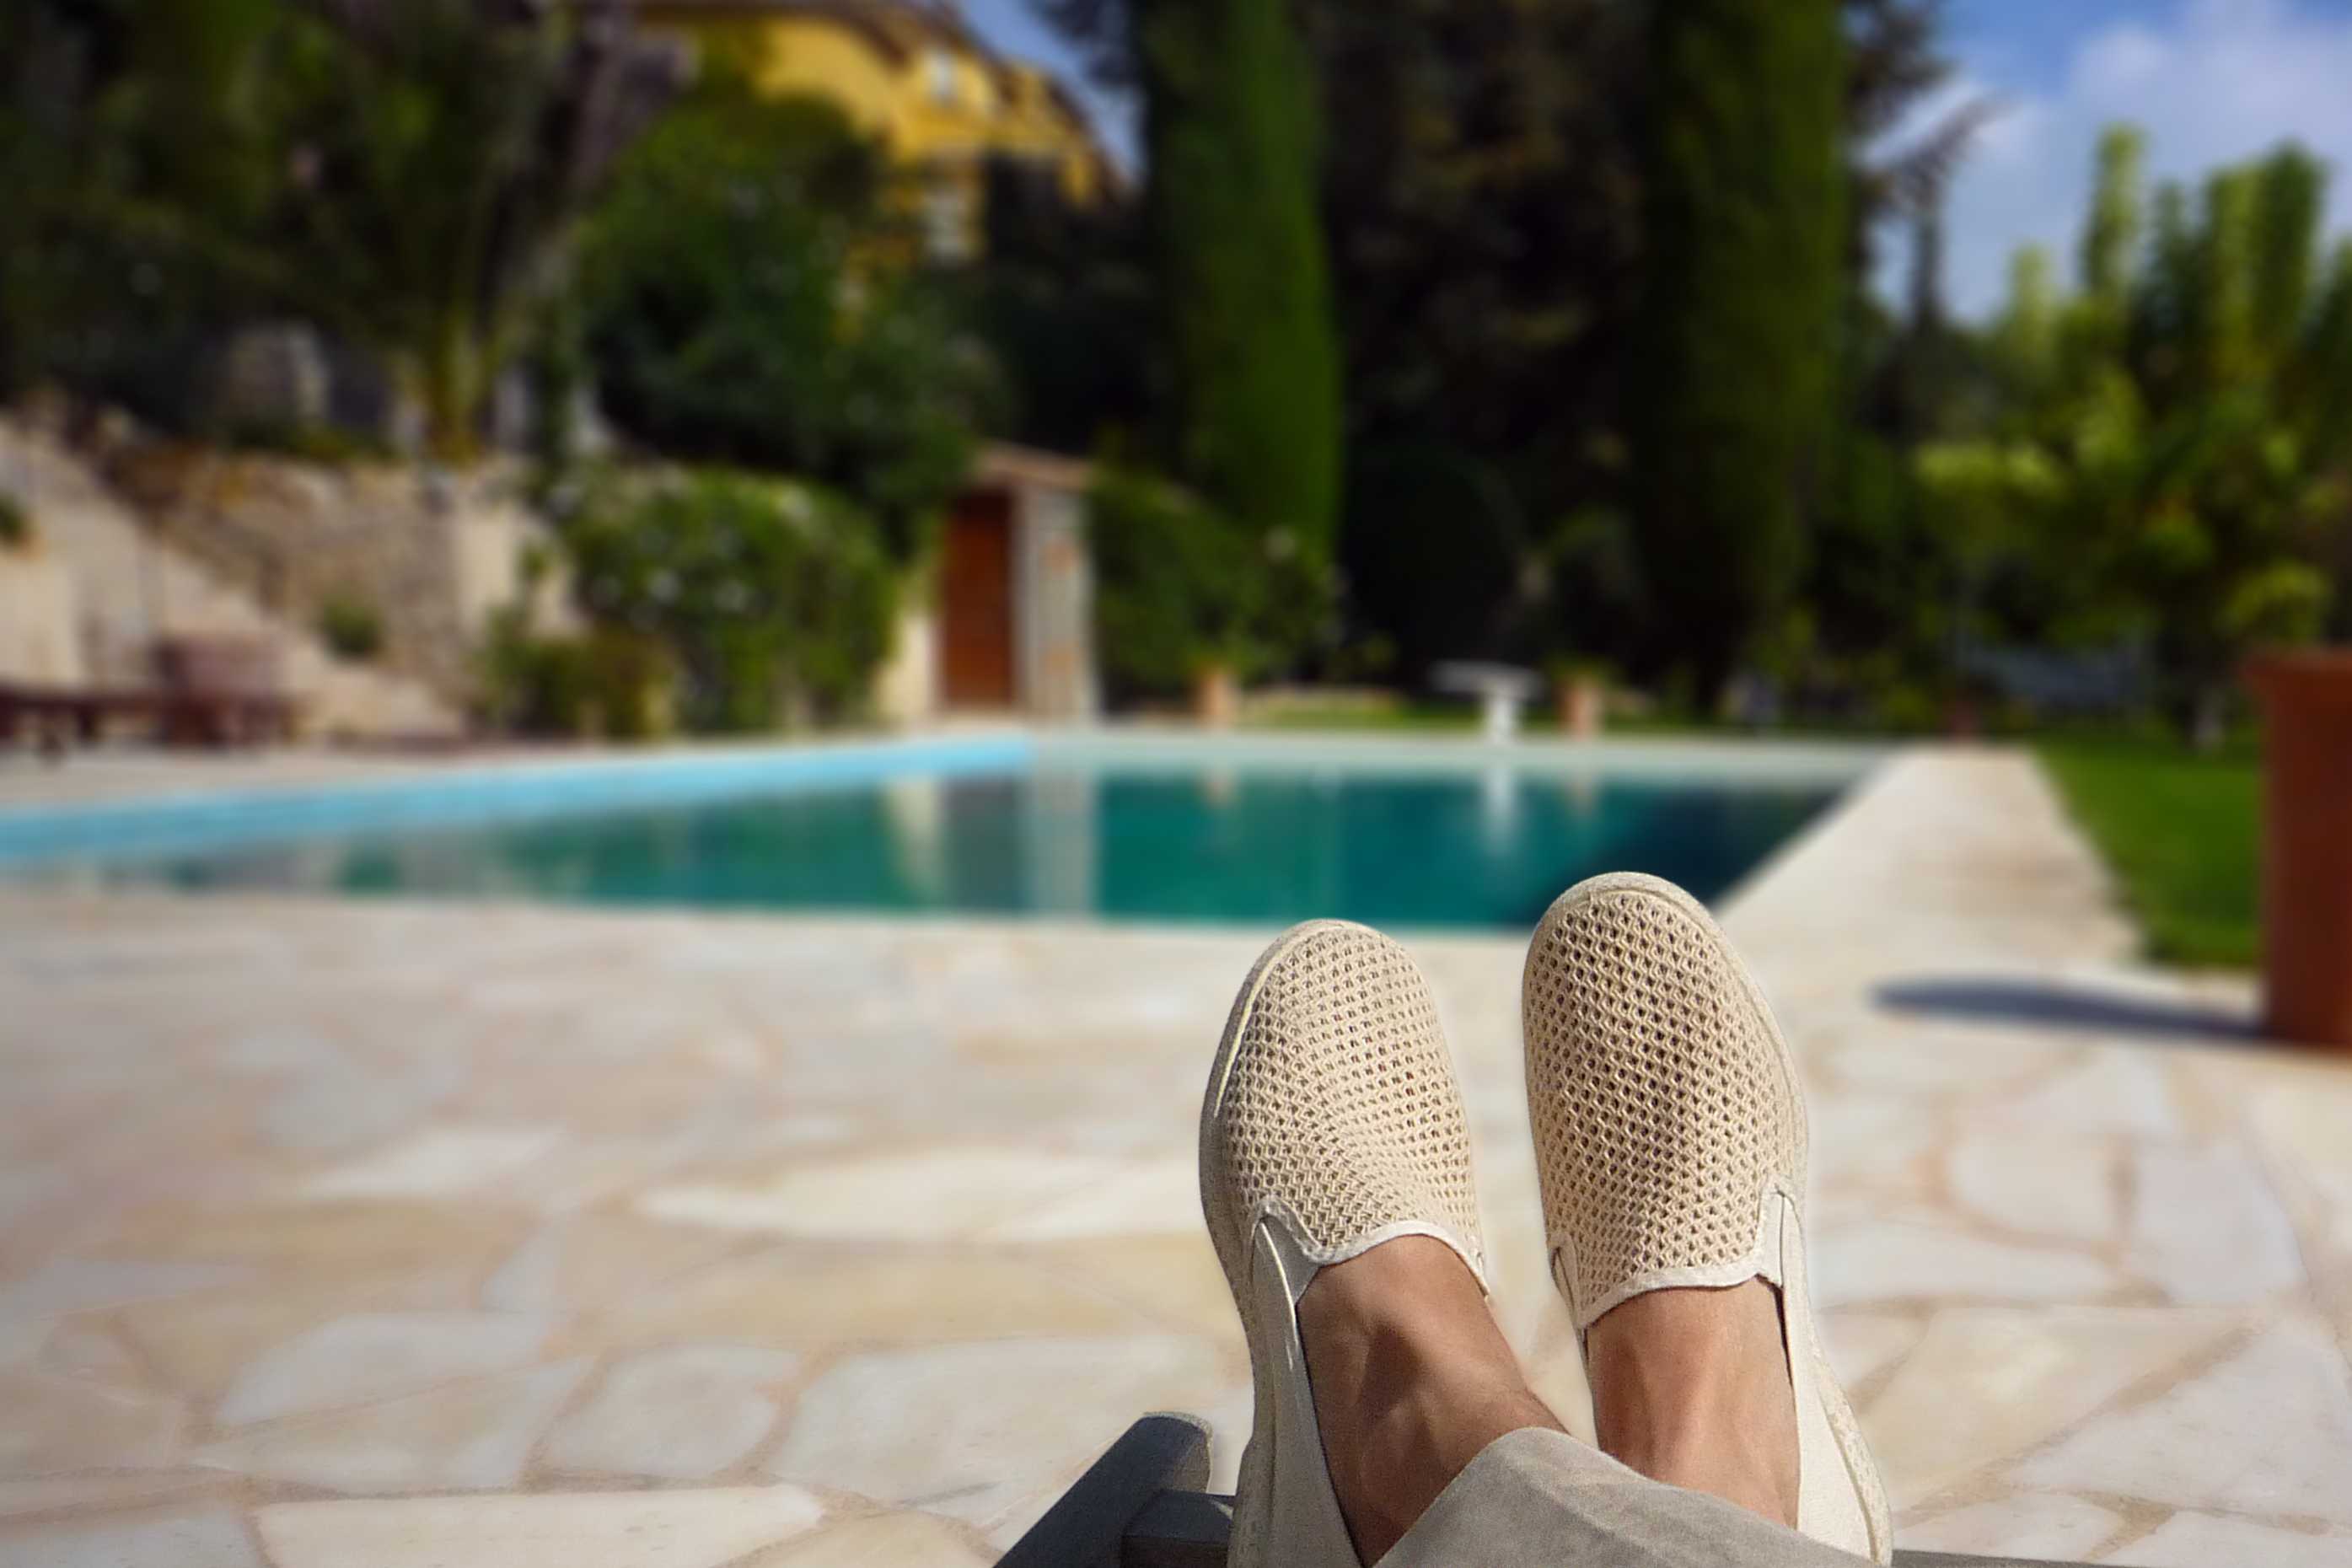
1542, 1499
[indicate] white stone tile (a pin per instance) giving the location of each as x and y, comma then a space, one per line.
1863, 1344
464, 1437
50, 1422
213, 1536
2046, 1527
115, 1489
1937, 1060
1147, 1196
21, 1340
376, 1355
2301, 1124
2204, 1541
971, 1430
444, 1161
2268, 1431
1882, 1144
1898, 1261
2120, 1089
937, 1194
1986, 1384
682, 1414
883, 1541
585, 1529
80, 1284
2046, 1183
2207, 1228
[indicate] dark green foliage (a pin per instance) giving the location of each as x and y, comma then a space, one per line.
741, 306
2168, 447
405, 176
351, 627
16, 524
1231, 129
1481, 194
1478, 190
603, 684
1065, 301
1181, 587
771, 597
1731, 395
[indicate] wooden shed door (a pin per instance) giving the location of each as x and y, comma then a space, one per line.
976, 603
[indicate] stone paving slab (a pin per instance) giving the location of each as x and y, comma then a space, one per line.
346, 1235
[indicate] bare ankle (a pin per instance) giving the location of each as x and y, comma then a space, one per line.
1412, 1379
1691, 1388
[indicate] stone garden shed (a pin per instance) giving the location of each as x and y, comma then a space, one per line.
1003, 621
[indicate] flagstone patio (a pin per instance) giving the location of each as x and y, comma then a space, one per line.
344, 1235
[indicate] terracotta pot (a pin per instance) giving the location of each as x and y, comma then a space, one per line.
2307, 845
1216, 698
1582, 701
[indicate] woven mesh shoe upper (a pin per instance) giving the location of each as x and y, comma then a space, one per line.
1660, 1102
1340, 1108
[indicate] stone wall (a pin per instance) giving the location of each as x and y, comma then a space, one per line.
431, 554
40, 640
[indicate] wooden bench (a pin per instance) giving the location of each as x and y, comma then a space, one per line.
54, 717
1144, 1504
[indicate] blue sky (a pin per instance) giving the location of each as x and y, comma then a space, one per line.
2209, 80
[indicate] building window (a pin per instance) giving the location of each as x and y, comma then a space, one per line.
950, 226
941, 65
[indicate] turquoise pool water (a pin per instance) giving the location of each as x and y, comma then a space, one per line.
1278, 836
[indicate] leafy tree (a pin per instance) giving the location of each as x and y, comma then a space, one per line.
1231, 130
1481, 194
2191, 473
1744, 209
746, 303
769, 595
405, 174
106, 111
1181, 588
1065, 297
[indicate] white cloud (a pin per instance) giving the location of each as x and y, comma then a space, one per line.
2222, 81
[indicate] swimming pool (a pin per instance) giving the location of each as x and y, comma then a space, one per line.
1426, 833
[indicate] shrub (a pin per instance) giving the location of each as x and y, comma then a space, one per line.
16, 524
351, 627
767, 596
610, 684
738, 307
1182, 587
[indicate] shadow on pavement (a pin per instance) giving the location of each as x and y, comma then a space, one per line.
2048, 1003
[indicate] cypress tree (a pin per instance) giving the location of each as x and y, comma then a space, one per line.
1734, 367
1231, 129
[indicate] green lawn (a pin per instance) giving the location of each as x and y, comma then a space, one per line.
2181, 832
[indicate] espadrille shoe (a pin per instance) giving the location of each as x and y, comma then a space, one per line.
1332, 1124
1670, 1138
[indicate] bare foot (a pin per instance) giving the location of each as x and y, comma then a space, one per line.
1412, 1379
1691, 1388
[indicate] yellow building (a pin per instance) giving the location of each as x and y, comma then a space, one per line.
915, 75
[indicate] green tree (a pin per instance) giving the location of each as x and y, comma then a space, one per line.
1231, 130
2169, 456
404, 173
1182, 589
770, 596
1744, 203
747, 302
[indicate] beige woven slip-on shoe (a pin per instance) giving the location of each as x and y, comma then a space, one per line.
1670, 1139
1332, 1124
